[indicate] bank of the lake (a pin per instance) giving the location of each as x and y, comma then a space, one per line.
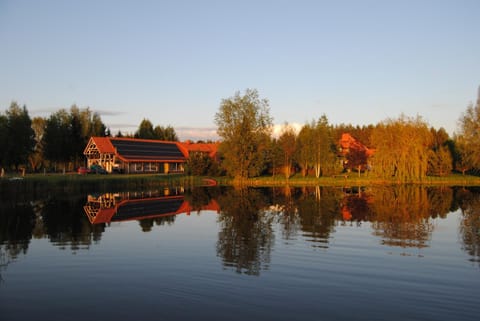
355, 180
99, 183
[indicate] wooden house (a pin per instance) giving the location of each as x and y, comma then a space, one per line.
130, 155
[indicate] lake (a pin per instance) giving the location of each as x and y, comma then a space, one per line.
313, 253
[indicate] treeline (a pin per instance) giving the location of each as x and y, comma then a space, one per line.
56, 142
405, 148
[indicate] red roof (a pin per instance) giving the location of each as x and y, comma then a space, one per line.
348, 142
104, 145
208, 148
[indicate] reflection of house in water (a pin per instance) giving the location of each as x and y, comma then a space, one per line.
116, 207
355, 205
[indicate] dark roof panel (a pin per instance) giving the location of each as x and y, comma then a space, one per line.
147, 150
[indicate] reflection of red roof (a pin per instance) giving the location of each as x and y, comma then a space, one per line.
126, 210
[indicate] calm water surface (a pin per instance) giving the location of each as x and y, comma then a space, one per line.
257, 254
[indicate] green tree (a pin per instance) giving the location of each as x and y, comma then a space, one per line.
20, 136
4, 139
323, 147
56, 142
165, 133
245, 125
274, 156
145, 130
305, 148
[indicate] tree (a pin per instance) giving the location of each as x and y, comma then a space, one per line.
245, 125
440, 161
305, 144
56, 142
469, 137
274, 156
401, 148
323, 146
356, 159
36, 158
145, 130
20, 136
165, 133
287, 143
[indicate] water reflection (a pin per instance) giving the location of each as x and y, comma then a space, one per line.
246, 236
249, 220
469, 202
158, 207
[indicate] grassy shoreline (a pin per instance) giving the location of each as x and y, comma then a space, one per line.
139, 180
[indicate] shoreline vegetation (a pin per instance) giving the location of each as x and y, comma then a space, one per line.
75, 181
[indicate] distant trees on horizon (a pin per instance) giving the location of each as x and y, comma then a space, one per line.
405, 148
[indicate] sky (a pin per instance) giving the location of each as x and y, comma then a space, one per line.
172, 62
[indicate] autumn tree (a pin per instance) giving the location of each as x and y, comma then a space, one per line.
440, 160
356, 159
468, 137
245, 125
287, 143
36, 158
401, 148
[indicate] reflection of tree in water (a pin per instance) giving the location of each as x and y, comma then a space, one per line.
66, 224
285, 210
199, 197
317, 210
246, 236
147, 224
469, 202
311, 210
355, 205
400, 216
441, 201
16, 224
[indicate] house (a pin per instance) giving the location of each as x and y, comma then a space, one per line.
348, 142
132, 155
361, 153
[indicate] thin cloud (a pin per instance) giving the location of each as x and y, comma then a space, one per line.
197, 133
108, 112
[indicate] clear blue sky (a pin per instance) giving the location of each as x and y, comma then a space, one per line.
172, 62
